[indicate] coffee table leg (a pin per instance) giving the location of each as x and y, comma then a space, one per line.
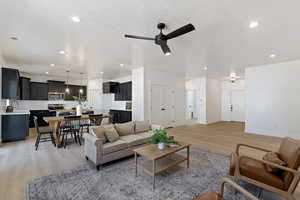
188, 157
135, 158
154, 174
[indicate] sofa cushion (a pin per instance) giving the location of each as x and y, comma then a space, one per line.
141, 126
108, 126
145, 135
111, 134
273, 157
125, 128
115, 146
133, 140
99, 132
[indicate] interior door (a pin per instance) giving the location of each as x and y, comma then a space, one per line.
238, 105
162, 105
191, 104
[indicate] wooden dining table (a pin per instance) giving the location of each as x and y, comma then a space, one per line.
55, 122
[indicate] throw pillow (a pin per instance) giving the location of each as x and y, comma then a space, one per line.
141, 126
112, 135
273, 157
99, 132
125, 128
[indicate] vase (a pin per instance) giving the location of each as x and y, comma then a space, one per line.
161, 146
79, 109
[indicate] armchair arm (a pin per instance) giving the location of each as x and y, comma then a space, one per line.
237, 187
249, 146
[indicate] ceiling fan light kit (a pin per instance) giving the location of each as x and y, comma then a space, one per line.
161, 39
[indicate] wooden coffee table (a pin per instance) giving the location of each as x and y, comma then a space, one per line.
158, 161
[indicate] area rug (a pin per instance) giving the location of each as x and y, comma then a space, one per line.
116, 181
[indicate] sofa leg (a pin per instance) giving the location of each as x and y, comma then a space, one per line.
99, 167
87, 158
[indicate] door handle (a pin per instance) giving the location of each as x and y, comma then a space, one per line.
163, 109
231, 108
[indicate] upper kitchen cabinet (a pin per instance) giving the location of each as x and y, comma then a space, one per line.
56, 86
10, 83
24, 88
109, 87
38, 91
123, 92
74, 91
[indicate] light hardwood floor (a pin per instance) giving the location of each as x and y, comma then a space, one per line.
19, 162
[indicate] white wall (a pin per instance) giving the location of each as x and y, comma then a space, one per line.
273, 99
138, 94
227, 88
213, 100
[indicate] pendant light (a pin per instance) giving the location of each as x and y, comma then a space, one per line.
81, 89
67, 89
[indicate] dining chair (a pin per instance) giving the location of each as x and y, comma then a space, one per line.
42, 135
71, 126
96, 120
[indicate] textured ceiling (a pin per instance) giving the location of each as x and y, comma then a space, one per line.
222, 40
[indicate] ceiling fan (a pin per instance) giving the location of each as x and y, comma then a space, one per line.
162, 39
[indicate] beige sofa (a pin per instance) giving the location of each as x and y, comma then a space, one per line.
132, 135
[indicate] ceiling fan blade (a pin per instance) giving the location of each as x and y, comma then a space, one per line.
181, 31
165, 48
138, 37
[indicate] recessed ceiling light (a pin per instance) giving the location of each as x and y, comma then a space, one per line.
75, 19
52, 65
253, 24
62, 52
122, 65
14, 38
47, 72
272, 55
101, 72
205, 68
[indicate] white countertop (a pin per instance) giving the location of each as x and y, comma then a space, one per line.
16, 112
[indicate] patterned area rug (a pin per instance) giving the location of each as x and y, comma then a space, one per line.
116, 181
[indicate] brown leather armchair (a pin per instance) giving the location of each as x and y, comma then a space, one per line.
211, 195
254, 171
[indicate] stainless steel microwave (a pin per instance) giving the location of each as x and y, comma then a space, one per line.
56, 96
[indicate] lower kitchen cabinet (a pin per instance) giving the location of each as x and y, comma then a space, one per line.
120, 116
14, 127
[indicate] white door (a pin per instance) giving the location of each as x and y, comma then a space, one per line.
162, 101
191, 104
238, 105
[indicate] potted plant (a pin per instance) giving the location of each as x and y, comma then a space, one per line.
160, 137
80, 100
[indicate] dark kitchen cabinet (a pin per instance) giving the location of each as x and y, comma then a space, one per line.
14, 127
10, 83
74, 91
120, 116
123, 92
109, 87
56, 86
38, 91
24, 88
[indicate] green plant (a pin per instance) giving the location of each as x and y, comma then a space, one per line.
80, 99
161, 136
